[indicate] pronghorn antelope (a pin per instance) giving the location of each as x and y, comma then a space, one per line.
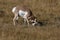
25, 13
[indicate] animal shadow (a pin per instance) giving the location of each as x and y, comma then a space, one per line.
41, 23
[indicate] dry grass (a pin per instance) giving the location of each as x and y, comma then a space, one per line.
46, 11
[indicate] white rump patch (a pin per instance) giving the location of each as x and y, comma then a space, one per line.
13, 10
23, 13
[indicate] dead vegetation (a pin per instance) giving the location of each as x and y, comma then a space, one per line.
46, 11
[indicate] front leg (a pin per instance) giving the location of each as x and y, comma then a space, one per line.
27, 21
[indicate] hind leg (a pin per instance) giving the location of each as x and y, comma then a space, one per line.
15, 19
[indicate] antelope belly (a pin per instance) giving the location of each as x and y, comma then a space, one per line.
22, 13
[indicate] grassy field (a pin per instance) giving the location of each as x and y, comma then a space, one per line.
46, 11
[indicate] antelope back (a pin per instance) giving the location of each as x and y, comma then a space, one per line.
24, 8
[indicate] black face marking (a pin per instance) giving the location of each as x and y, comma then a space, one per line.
33, 22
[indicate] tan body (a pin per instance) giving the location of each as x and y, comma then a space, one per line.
24, 12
